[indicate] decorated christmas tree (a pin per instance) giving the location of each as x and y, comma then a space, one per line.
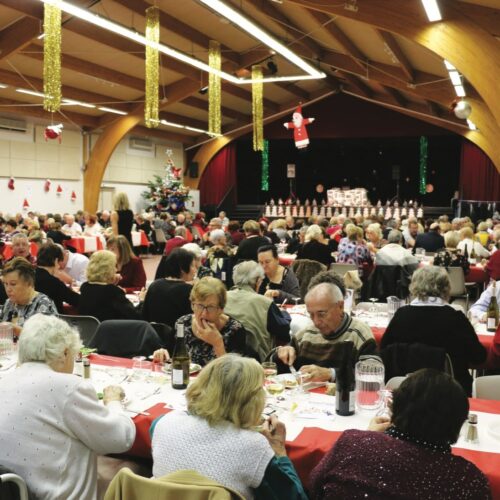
168, 194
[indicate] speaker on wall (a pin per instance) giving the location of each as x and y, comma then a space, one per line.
193, 169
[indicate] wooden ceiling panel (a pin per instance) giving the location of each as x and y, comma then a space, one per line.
8, 17
421, 58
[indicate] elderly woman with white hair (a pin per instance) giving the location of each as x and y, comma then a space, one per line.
197, 252
374, 237
430, 320
219, 256
265, 323
316, 246
52, 425
217, 435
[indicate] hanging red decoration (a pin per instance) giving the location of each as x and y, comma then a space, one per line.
26, 205
10, 184
59, 190
73, 196
46, 186
299, 126
53, 132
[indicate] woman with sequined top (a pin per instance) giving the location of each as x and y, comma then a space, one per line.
410, 456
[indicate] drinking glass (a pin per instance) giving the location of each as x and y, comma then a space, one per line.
373, 308
138, 367
393, 304
6, 338
270, 369
369, 375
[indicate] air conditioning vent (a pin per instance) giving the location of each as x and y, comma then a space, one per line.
13, 125
140, 144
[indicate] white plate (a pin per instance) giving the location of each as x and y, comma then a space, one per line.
494, 429
288, 380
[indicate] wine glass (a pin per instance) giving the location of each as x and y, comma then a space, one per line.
385, 410
270, 369
373, 308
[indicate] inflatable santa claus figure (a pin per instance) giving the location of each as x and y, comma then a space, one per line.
298, 124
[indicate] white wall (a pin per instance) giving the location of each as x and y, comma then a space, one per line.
31, 160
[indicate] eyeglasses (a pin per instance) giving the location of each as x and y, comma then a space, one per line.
199, 308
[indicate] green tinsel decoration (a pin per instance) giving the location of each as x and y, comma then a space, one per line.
423, 164
264, 183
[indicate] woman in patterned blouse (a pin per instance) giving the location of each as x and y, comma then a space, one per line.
352, 249
209, 333
23, 301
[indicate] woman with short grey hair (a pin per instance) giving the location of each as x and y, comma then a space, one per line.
247, 273
53, 419
430, 320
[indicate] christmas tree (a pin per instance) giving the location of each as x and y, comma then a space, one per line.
168, 194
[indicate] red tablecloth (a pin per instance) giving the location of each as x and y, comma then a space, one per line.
7, 252
81, 244
476, 274
312, 443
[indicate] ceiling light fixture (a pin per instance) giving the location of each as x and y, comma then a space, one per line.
71, 102
272, 67
203, 90
111, 110
3, 86
449, 66
455, 78
472, 126
223, 9
459, 90
432, 10
30, 92
186, 127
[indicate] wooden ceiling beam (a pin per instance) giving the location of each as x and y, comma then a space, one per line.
196, 102
329, 25
11, 78
397, 96
394, 47
88, 68
161, 133
17, 35
69, 117
358, 82
181, 29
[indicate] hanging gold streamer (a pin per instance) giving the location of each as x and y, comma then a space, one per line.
52, 57
258, 110
151, 108
214, 89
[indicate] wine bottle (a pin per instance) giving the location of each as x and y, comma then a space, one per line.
492, 313
344, 392
180, 361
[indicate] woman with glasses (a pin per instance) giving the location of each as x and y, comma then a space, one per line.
209, 333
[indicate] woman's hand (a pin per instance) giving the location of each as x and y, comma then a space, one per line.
161, 356
112, 393
379, 424
275, 432
271, 293
207, 332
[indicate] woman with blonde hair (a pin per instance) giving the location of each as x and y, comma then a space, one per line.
128, 266
217, 436
374, 239
316, 246
209, 333
352, 249
99, 295
469, 247
122, 217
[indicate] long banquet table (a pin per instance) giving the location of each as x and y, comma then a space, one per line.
309, 438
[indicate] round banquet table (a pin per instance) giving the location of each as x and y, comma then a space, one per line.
312, 443
85, 244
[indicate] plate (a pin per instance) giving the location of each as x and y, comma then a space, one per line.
193, 368
288, 380
494, 429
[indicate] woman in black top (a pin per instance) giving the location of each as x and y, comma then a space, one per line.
55, 233
100, 297
122, 217
167, 298
316, 246
48, 259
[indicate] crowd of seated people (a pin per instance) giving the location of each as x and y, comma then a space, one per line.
224, 286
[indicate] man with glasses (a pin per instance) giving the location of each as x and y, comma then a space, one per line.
315, 349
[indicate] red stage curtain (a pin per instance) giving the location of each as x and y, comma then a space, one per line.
479, 178
218, 177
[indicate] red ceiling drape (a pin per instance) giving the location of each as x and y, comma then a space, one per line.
219, 176
479, 178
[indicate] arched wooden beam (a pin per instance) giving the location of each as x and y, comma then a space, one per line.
458, 39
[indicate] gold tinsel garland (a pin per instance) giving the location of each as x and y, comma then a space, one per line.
52, 57
257, 109
152, 70
214, 89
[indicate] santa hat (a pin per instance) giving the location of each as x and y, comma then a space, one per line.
299, 110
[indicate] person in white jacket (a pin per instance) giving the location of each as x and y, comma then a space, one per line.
52, 426
474, 248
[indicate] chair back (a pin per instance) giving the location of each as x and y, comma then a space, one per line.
180, 485
86, 325
126, 338
160, 236
393, 383
12, 486
342, 268
457, 281
387, 281
400, 359
305, 269
487, 387
166, 334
